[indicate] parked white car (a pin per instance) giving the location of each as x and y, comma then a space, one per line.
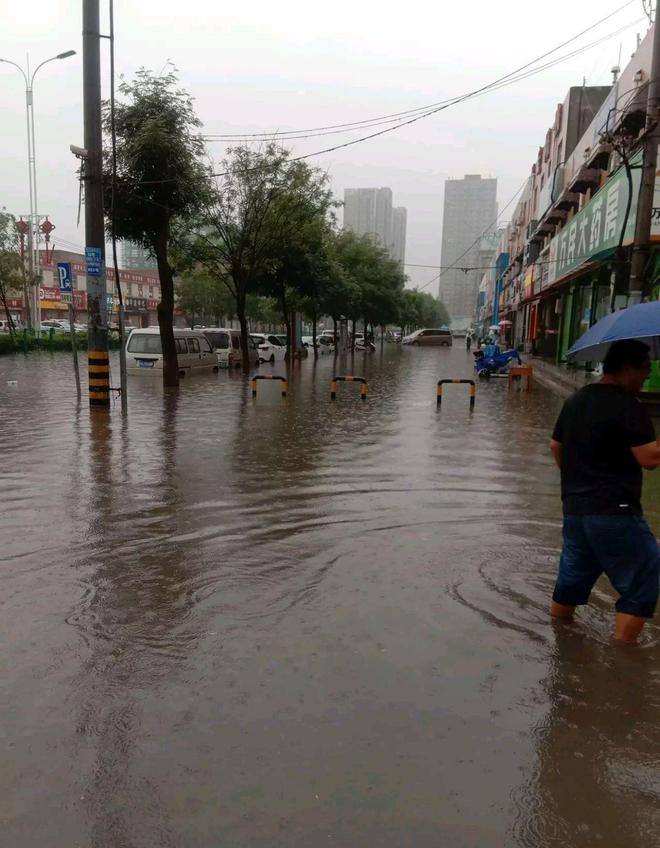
324, 344
144, 352
55, 324
226, 343
269, 346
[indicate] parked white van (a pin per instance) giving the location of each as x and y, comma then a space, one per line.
144, 352
227, 345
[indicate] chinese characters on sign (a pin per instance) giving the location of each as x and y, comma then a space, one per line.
598, 228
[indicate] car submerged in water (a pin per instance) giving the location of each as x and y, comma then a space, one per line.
429, 338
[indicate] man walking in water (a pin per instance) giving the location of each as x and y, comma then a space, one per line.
601, 441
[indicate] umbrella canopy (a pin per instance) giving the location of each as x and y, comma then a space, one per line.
640, 322
494, 327
505, 322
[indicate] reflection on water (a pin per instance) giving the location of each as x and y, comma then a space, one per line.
283, 622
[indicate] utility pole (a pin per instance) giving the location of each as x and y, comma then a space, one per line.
641, 246
97, 308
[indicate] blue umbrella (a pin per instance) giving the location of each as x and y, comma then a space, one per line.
640, 322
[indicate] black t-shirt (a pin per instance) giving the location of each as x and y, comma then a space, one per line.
596, 428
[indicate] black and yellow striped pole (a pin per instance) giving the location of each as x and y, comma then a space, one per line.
99, 377
472, 384
97, 321
364, 388
284, 387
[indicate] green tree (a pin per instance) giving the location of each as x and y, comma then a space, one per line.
161, 180
372, 282
11, 264
204, 297
295, 270
251, 233
262, 310
420, 309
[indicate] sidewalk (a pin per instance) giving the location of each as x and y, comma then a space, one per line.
558, 378
564, 381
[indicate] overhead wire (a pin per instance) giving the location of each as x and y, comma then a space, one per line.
430, 106
502, 82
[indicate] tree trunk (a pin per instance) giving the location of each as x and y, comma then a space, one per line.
10, 320
166, 314
242, 321
314, 320
287, 322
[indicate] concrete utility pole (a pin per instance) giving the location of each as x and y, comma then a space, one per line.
641, 244
97, 308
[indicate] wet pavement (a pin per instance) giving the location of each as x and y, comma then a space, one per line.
293, 622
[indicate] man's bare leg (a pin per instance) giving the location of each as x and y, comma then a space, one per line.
561, 610
628, 627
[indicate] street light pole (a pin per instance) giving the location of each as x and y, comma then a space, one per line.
33, 231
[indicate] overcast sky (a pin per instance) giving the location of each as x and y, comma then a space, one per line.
260, 66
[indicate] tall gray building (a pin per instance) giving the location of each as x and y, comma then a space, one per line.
470, 210
399, 224
369, 212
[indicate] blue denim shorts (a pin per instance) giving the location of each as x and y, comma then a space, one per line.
621, 546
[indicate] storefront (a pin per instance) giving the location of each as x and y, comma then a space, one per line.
50, 302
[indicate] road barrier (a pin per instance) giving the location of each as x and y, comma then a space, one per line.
269, 377
517, 372
364, 388
471, 383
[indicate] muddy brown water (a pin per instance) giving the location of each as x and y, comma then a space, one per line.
246, 623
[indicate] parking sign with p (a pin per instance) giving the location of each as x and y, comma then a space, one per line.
65, 277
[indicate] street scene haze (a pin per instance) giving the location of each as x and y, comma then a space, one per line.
329, 407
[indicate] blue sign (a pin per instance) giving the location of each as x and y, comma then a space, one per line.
64, 276
93, 258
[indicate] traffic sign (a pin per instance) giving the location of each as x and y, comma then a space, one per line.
93, 258
66, 297
65, 277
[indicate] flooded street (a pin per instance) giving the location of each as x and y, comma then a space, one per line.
260, 623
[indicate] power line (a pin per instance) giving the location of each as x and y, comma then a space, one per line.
502, 82
421, 109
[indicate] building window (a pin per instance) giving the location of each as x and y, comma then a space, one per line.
140, 291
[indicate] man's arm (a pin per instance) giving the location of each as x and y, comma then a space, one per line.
648, 456
555, 448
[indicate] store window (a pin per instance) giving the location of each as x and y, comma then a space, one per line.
581, 320
602, 299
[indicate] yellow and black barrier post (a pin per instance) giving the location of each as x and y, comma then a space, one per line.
471, 383
285, 386
364, 388
99, 377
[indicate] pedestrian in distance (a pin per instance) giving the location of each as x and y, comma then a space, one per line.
468, 341
602, 440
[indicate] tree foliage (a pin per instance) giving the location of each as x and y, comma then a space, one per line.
421, 309
11, 264
161, 179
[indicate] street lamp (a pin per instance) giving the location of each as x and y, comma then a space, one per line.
33, 233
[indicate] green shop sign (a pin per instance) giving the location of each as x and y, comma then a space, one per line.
595, 231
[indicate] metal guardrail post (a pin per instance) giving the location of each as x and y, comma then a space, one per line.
285, 385
471, 383
364, 386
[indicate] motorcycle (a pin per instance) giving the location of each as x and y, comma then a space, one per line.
489, 361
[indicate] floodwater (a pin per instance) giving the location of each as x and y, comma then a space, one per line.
231, 623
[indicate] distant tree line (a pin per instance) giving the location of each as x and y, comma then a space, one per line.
258, 240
